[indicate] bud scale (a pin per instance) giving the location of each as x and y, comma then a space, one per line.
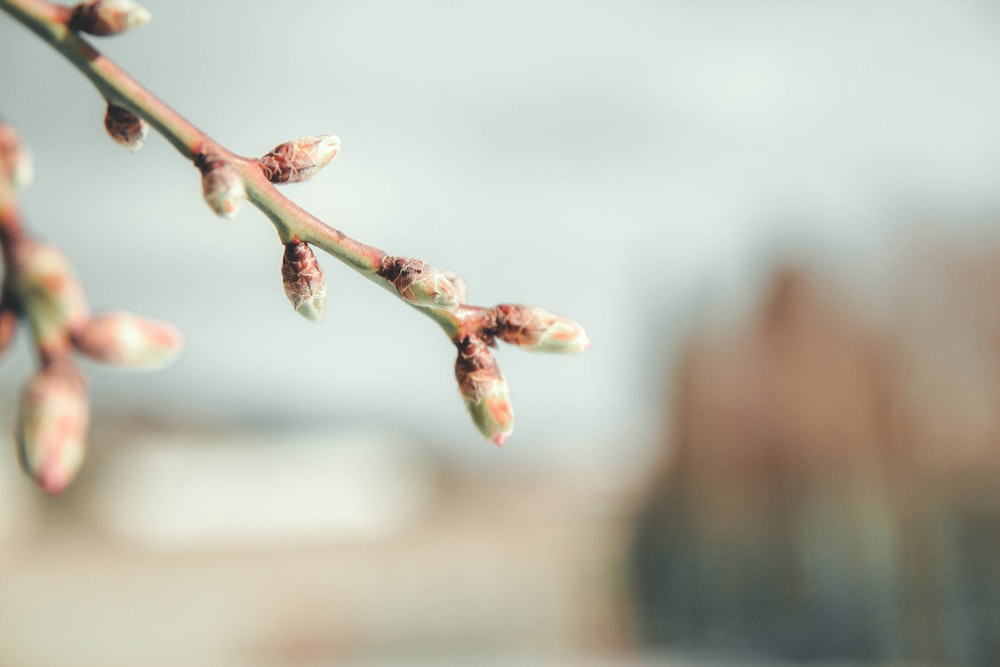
125, 127
419, 283
299, 160
303, 280
51, 427
485, 390
107, 17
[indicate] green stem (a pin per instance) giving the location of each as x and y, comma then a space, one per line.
48, 21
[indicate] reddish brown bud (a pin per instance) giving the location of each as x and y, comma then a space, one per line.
52, 427
125, 127
8, 327
486, 393
15, 159
295, 161
221, 185
107, 17
419, 283
303, 280
538, 330
124, 339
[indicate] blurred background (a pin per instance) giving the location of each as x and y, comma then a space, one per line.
778, 221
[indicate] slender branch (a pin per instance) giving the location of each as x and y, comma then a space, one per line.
40, 283
291, 222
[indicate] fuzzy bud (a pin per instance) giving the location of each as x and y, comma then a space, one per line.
125, 339
15, 160
419, 283
222, 186
486, 393
107, 17
538, 330
125, 127
8, 327
303, 280
52, 426
48, 291
295, 161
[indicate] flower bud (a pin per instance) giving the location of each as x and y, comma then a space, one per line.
107, 17
52, 427
48, 291
222, 186
538, 330
15, 160
125, 339
295, 161
125, 127
419, 283
303, 280
486, 393
8, 327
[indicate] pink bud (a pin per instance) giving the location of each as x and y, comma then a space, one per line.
107, 17
222, 186
52, 426
303, 280
419, 283
124, 339
15, 159
538, 330
295, 161
485, 390
125, 127
48, 291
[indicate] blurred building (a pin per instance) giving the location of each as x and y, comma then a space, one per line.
828, 490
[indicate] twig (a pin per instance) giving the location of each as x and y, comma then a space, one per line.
228, 179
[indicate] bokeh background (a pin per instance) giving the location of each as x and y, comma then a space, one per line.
777, 220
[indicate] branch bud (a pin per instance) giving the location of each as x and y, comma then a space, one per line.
52, 426
48, 291
486, 393
107, 17
419, 283
295, 161
15, 160
125, 339
125, 127
303, 280
538, 330
222, 185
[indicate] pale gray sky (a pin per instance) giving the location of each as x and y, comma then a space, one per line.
616, 162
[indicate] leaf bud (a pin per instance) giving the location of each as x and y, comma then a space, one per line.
538, 330
303, 279
125, 127
419, 283
485, 390
221, 185
126, 339
52, 426
107, 17
48, 291
15, 159
296, 161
